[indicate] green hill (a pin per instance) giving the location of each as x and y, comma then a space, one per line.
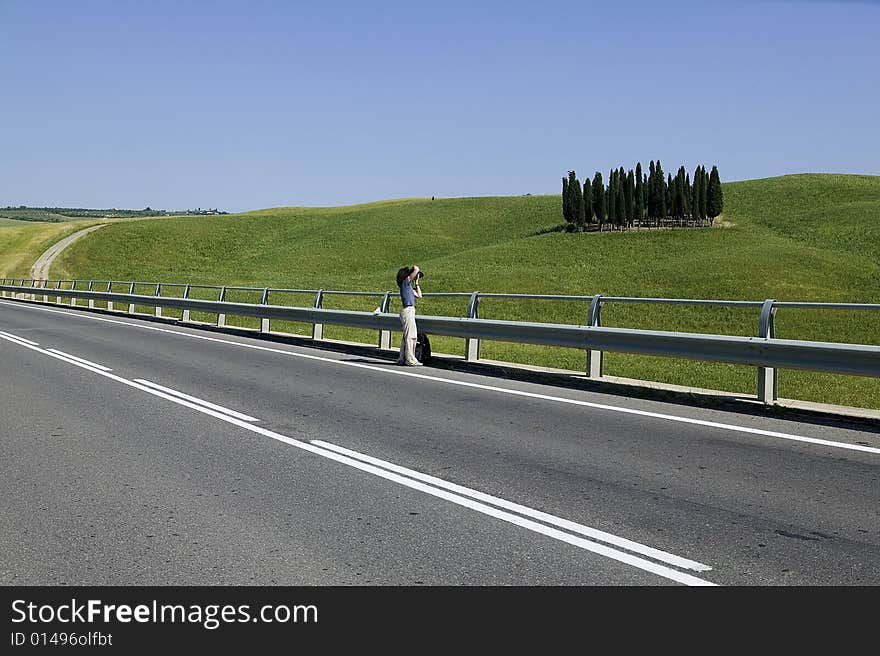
801, 237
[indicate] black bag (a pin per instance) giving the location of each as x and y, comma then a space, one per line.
423, 348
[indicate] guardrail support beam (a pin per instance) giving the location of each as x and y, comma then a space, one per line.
318, 328
768, 381
185, 317
159, 295
385, 335
472, 344
595, 358
264, 321
221, 318
131, 305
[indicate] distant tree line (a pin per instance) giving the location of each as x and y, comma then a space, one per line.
637, 199
58, 214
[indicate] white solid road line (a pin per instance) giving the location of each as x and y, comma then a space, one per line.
545, 397
213, 406
569, 525
83, 360
587, 545
20, 339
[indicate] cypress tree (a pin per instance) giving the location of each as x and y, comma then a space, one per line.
599, 199
695, 195
660, 191
668, 186
714, 197
675, 194
704, 191
621, 196
651, 201
588, 201
612, 197
688, 193
639, 208
609, 215
629, 194
680, 192
566, 201
577, 202
572, 197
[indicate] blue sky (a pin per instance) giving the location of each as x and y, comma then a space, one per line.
251, 104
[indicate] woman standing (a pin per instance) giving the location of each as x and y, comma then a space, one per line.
408, 282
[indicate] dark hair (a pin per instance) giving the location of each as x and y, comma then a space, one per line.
403, 273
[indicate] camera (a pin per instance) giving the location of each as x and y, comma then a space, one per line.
421, 274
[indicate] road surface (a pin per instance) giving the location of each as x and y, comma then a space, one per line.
137, 453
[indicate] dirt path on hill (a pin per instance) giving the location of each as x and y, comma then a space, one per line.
40, 269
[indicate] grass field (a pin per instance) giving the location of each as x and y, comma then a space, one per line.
802, 237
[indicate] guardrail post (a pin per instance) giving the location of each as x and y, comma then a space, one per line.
318, 328
43, 285
385, 335
33, 284
58, 298
158, 295
73, 288
221, 318
767, 378
131, 292
91, 300
109, 289
472, 345
185, 317
264, 321
594, 358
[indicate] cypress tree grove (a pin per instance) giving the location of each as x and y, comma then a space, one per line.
714, 197
639, 208
599, 198
588, 201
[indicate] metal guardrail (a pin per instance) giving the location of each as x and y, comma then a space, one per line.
763, 351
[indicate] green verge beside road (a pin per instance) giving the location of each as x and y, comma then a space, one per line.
793, 238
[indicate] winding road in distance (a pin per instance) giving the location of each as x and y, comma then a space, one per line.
40, 269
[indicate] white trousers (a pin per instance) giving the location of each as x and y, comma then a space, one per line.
408, 342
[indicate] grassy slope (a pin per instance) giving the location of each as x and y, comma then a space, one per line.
804, 237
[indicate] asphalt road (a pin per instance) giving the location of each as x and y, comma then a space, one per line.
341, 469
